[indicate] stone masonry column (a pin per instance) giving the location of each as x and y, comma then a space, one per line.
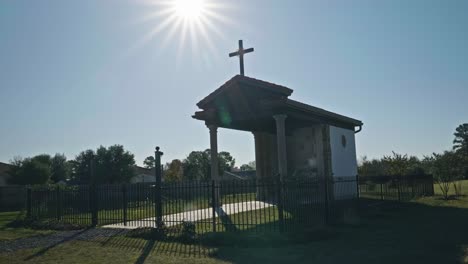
259, 160
214, 161
281, 142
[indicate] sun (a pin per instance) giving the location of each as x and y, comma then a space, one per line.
190, 26
189, 9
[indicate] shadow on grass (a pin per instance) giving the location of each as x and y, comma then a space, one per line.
388, 232
226, 220
66, 239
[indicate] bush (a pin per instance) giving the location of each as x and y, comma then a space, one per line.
188, 232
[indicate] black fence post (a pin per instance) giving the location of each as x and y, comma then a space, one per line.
158, 197
327, 220
93, 195
28, 202
399, 190
213, 205
357, 186
431, 184
381, 191
124, 201
280, 205
57, 202
357, 193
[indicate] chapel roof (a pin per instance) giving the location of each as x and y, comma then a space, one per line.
241, 79
244, 98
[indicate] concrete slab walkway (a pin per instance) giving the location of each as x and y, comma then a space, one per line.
194, 215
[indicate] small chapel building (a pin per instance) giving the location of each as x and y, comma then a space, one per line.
293, 140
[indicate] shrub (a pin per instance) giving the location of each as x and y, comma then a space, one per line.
188, 232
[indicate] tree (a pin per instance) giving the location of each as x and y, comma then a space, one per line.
60, 168
445, 168
111, 165
149, 162
372, 167
29, 171
460, 143
114, 165
225, 161
197, 165
397, 164
81, 167
249, 166
45, 159
174, 171
245, 167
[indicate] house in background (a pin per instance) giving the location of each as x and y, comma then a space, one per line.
143, 175
4, 169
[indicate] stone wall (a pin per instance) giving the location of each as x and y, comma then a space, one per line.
305, 148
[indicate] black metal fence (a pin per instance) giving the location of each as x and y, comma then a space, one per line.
219, 206
12, 198
208, 206
397, 188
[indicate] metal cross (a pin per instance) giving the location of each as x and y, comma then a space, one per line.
241, 53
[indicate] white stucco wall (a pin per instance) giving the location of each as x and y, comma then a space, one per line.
344, 163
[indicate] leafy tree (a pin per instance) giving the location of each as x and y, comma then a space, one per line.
245, 167
114, 165
460, 143
445, 168
225, 161
197, 165
60, 168
372, 167
111, 165
174, 171
249, 166
149, 162
81, 166
45, 159
29, 171
397, 164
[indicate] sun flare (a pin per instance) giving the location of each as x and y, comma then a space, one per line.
191, 26
189, 9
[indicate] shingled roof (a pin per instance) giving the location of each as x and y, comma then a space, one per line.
240, 79
251, 98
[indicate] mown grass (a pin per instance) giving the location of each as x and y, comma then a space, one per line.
8, 232
391, 232
425, 230
145, 209
453, 201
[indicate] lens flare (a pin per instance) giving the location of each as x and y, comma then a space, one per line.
189, 25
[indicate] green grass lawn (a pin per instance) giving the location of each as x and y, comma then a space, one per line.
425, 230
10, 233
145, 209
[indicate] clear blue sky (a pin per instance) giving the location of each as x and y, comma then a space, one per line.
76, 74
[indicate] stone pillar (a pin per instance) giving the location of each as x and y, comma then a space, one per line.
259, 163
214, 161
258, 157
214, 152
281, 144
